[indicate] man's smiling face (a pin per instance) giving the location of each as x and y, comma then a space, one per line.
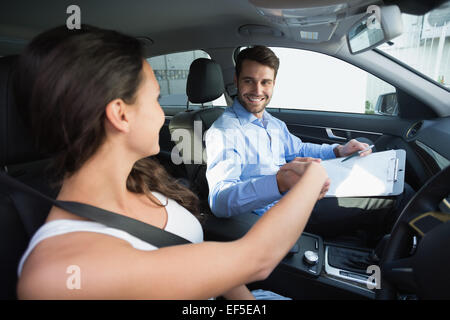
255, 86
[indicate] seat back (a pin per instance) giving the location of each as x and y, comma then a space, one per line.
204, 84
20, 215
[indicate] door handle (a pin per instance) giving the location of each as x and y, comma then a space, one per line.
332, 136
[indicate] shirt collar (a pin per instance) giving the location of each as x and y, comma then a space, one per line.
246, 117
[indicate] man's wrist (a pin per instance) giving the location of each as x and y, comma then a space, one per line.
337, 151
280, 188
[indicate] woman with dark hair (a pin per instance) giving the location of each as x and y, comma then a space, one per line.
93, 104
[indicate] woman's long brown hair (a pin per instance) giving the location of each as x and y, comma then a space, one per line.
64, 80
149, 175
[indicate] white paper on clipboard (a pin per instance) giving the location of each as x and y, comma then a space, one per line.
373, 175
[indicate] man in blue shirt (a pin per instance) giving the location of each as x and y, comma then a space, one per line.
251, 154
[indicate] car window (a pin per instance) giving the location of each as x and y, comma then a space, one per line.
425, 44
313, 81
171, 71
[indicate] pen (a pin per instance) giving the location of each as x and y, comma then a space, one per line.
358, 153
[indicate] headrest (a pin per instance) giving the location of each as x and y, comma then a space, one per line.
205, 81
16, 142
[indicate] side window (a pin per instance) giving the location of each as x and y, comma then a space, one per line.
314, 81
171, 71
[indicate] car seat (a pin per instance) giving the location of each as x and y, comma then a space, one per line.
20, 215
204, 84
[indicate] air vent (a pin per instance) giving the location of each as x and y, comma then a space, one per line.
412, 132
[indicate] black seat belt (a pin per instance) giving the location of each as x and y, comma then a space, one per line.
146, 232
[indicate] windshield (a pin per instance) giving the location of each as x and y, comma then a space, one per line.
425, 44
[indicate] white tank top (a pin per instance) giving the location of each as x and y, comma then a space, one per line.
179, 221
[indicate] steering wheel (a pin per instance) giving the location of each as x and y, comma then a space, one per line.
417, 256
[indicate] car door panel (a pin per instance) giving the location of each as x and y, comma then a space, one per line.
387, 132
436, 135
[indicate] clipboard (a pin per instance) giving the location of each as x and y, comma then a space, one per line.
399, 173
378, 174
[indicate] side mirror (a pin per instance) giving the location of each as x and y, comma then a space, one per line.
379, 25
387, 104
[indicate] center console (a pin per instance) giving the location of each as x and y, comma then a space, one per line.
309, 257
353, 266
342, 270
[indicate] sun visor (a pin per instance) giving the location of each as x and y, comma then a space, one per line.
308, 21
305, 17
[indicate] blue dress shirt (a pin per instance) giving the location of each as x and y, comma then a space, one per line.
244, 154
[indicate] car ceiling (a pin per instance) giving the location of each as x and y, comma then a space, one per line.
173, 25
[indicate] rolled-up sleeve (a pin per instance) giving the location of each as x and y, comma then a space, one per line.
295, 147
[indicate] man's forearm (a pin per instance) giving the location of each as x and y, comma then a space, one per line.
233, 198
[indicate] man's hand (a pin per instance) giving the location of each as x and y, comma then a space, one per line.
351, 147
291, 172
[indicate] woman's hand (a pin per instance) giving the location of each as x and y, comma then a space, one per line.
291, 173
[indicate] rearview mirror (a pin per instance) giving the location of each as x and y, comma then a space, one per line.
379, 25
